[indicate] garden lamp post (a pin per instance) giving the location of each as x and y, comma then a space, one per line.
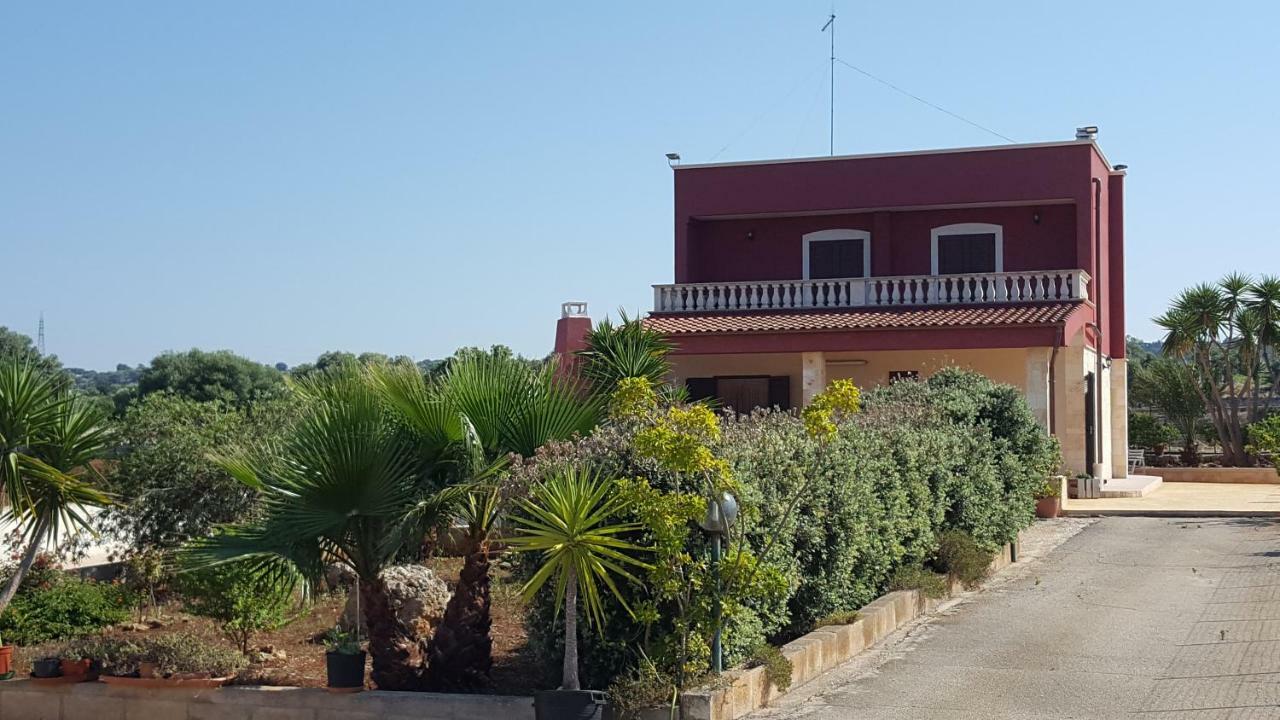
721, 513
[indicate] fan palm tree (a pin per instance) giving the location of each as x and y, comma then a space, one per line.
570, 520
1264, 302
349, 484
47, 440
467, 420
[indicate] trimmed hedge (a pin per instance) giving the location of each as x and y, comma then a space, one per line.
955, 452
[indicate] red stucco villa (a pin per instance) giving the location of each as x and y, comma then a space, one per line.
1008, 260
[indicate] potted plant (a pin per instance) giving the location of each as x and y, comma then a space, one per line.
6, 661
46, 667
1049, 499
344, 661
571, 520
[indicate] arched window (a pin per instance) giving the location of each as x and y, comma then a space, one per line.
837, 254
966, 248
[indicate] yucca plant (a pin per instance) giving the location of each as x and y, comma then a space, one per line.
467, 420
47, 441
627, 350
571, 520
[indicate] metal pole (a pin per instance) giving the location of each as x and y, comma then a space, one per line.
717, 652
831, 23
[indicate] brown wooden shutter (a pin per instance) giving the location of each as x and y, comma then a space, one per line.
700, 388
780, 391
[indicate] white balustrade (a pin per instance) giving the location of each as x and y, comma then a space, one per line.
900, 291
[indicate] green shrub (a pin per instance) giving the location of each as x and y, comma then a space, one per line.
242, 603
917, 577
960, 556
171, 652
65, 607
1150, 432
846, 617
639, 689
777, 668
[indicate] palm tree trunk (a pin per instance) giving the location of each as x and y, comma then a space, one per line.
28, 557
460, 653
397, 663
570, 672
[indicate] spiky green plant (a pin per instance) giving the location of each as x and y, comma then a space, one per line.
47, 441
570, 519
627, 350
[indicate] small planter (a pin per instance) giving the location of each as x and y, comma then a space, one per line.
6, 662
78, 669
346, 671
1048, 507
570, 705
46, 668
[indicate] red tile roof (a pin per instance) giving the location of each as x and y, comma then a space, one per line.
863, 319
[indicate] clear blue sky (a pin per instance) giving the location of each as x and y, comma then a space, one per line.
286, 178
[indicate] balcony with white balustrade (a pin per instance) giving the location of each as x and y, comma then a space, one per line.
1031, 286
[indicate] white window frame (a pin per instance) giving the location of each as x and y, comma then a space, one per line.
840, 234
966, 229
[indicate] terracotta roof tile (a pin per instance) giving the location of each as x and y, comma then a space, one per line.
863, 319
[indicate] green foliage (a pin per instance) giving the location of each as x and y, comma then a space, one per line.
917, 577
14, 346
1150, 432
1264, 436
641, 688
337, 640
777, 668
171, 488
844, 617
206, 376
956, 451
65, 608
1169, 386
960, 556
627, 350
241, 602
172, 653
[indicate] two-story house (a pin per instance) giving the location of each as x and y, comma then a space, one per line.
1008, 260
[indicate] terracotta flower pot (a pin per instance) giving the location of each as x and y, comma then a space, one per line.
74, 668
6, 660
1048, 507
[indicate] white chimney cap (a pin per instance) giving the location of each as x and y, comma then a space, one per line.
573, 308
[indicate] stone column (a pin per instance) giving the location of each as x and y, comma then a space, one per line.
1119, 410
813, 375
1037, 384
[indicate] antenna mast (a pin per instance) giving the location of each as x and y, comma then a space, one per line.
831, 23
40, 334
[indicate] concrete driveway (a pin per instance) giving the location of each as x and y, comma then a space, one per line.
1153, 618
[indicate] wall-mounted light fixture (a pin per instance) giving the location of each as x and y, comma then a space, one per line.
751, 235
1035, 217
673, 159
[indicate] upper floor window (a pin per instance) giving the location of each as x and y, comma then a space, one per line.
967, 248
837, 254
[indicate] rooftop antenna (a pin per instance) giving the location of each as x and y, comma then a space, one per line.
831, 23
40, 334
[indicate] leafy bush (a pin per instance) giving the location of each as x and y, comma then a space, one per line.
63, 608
917, 577
777, 668
1264, 436
639, 689
844, 617
171, 652
960, 556
955, 452
1150, 432
242, 603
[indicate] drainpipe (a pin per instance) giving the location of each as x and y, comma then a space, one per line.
1053, 385
1097, 325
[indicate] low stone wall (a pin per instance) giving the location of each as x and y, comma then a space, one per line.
1244, 476
25, 700
744, 691
816, 653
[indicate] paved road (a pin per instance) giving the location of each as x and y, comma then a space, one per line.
1157, 619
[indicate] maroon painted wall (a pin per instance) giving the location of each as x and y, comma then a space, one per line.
896, 198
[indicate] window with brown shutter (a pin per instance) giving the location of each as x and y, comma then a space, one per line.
964, 254
836, 259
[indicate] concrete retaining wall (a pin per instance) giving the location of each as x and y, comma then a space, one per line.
1245, 476
24, 700
817, 652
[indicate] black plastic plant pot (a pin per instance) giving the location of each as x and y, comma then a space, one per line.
570, 705
346, 671
46, 668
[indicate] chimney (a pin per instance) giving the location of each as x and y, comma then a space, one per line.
571, 333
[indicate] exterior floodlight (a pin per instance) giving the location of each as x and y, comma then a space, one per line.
721, 514
673, 159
